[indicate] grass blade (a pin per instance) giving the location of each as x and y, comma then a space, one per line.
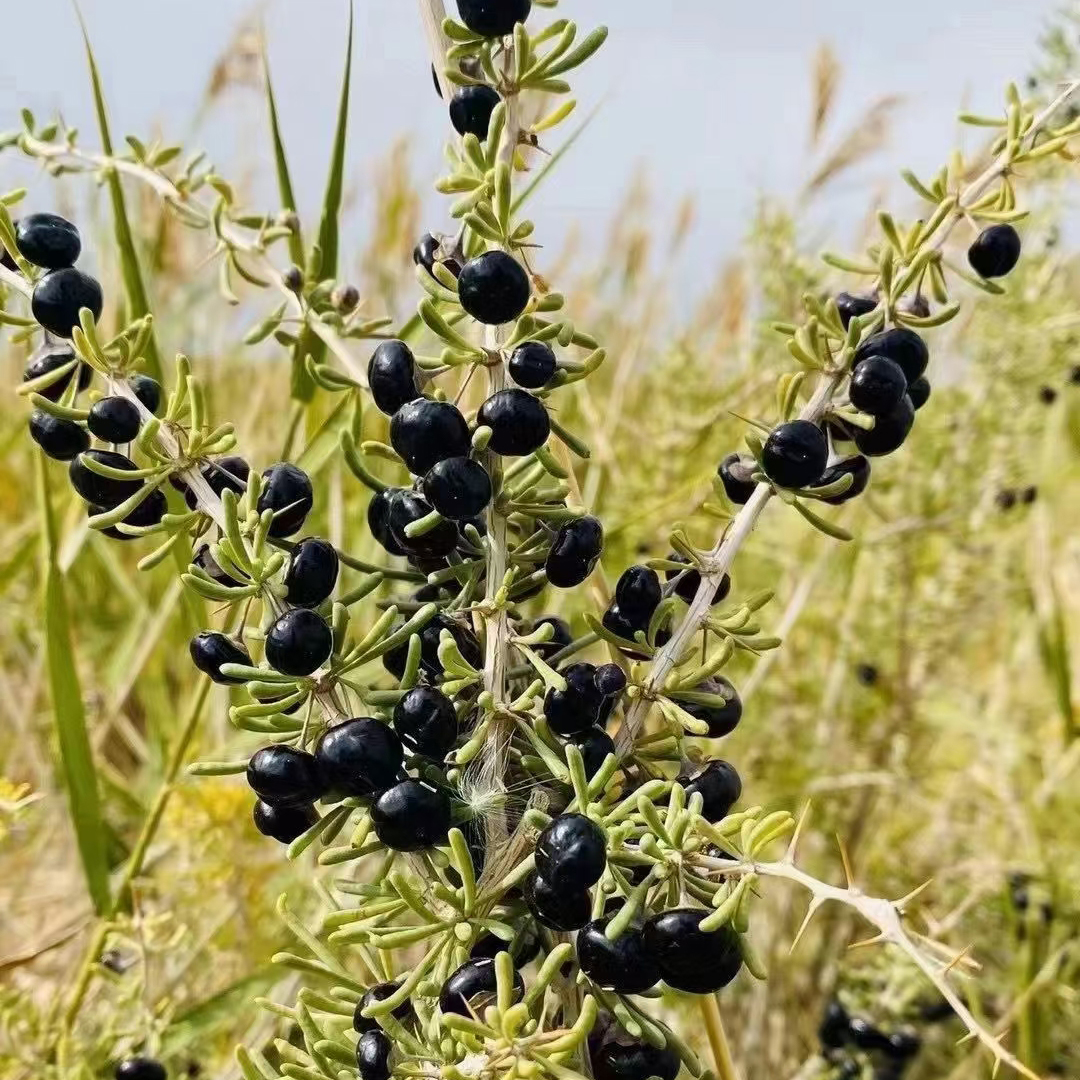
281, 163
135, 290
69, 715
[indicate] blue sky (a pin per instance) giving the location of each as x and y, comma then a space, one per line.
711, 96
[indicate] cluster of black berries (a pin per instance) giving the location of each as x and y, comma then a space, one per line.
842, 1034
1008, 498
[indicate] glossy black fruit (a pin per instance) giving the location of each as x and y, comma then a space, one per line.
49, 358
995, 251
638, 593
688, 584
140, 1068
919, 392
148, 391
471, 108
889, 431
519, 422
298, 642
795, 454
225, 473
411, 816
899, 344
609, 680
577, 708
493, 288
378, 520
634, 1061
283, 823
209, 650
734, 472
379, 992
287, 492
867, 1036
458, 487
719, 786
424, 432
595, 745
560, 638
60, 295
149, 512
623, 965
60, 439
430, 663
114, 419
48, 240
426, 254
532, 364
285, 776
312, 573
574, 552
392, 376
493, 18
407, 507
834, 1031
557, 908
691, 959
721, 718
426, 722
858, 468
103, 491
571, 853
360, 757
850, 306
373, 1055
877, 385
471, 988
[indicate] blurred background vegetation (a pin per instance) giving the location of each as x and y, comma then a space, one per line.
924, 698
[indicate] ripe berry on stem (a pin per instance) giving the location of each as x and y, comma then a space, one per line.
60, 295
426, 722
719, 785
571, 853
577, 708
373, 1055
379, 992
312, 573
494, 288
49, 358
287, 492
795, 454
722, 719
407, 507
140, 1068
519, 422
411, 816
561, 908
298, 642
574, 552
426, 254
877, 385
850, 305
493, 18
889, 430
285, 776
48, 241
360, 757
691, 959
899, 344
532, 364
225, 473
61, 439
595, 744
104, 491
114, 419
472, 987
688, 584
424, 432
210, 650
634, 1061
471, 108
995, 251
148, 391
392, 376
458, 487
623, 965
283, 823
735, 472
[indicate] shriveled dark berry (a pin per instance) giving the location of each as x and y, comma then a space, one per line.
148, 391
688, 584
114, 419
298, 642
995, 251
283, 823
471, 108
899, 344
560, 638
609, 680
48, 240
210, 649
919, 392
140, 1068
373, 1055
889, 431
795, 454
426, 254
458, 487
360, 756
577, 708
519, 422
532, 364
493, 18
858, 468
60, 439
312, 573
877, 385
557, 907
407, 507
379, 992
425, 432
595, 744
392, 376
574, 552
378, 520
411, 816
734, 472
638, 593
721, 716
623, 965
50, 357
286, 491
634, 1061
104, 491
285, 776
60, 295
426, 722
718, 784
494, 288
471, 988
571, 852
834, 1031
691, 959
850, 305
